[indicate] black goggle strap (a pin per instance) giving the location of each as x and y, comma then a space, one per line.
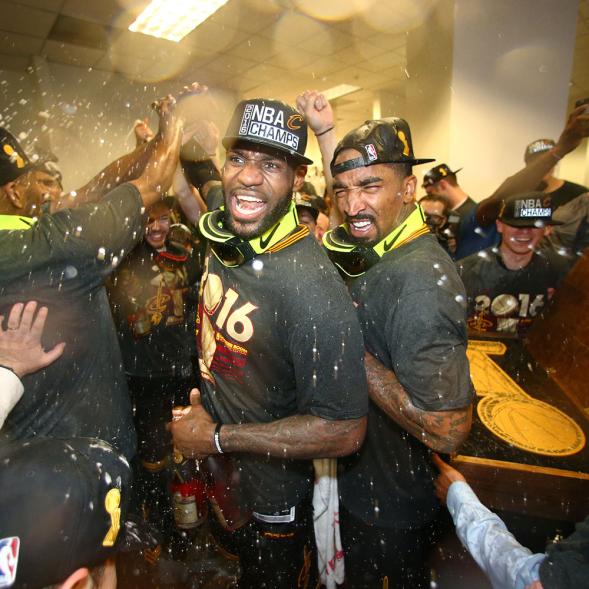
233, 251
355, 259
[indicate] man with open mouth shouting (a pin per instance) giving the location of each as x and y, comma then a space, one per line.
280, 348
411, 307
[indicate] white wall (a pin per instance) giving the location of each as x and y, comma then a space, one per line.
510, 84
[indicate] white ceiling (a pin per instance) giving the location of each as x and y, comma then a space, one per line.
250, 47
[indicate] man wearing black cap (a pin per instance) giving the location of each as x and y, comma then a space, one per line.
509, 286
63, 258
442, 181
62, 513
410, 302
279, 344
570, 206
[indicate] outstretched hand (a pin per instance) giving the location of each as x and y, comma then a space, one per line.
166, 108
193, 429
317, 111
447, 476
20, 343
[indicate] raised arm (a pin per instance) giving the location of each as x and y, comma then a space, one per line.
442, 431
189, 198
298, 436
319, 115
575, 130
131, 166
199, 159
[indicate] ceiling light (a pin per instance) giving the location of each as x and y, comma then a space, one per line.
174, 19
339, 91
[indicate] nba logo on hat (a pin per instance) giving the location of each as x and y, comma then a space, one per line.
8, 560
371, 152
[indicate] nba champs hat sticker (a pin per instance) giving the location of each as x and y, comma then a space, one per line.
269, 122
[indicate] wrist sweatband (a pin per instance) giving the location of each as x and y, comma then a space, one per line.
200, 172
217, 438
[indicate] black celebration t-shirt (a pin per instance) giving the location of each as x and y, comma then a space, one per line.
277, 337
411, 307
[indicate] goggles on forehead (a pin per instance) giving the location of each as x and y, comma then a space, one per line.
354, 259
232, 251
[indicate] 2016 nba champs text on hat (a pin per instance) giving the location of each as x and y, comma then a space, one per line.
269, 122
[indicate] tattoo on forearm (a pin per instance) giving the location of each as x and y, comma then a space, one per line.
442, 431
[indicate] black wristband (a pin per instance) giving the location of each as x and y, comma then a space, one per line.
326, 131
201, 172
217, 438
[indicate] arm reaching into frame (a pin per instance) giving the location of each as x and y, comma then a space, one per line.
21, 352
132, 166
575, 130
20, 343
298, 436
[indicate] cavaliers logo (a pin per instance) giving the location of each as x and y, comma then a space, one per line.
294, 122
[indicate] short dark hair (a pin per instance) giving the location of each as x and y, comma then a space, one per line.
451, 179
403, 169
437, 198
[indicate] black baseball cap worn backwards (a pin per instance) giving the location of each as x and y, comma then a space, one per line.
13, 160
438, 173
269, 122
530, 209
383, 141
62, 504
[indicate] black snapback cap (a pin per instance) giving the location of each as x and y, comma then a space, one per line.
438, 173
62, 504
13, 159
269, 122
383, 141
529, 209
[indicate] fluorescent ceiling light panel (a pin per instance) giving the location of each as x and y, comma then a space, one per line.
339, 91
174, 19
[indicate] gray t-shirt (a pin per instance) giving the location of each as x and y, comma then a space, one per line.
411, 307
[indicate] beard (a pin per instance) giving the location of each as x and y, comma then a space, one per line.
257, 227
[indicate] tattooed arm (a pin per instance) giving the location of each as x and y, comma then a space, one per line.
442, 431
298, 436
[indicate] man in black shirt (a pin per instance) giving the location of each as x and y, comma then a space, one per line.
410, 303
280, 347
153, 299
61, 260
507, 287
